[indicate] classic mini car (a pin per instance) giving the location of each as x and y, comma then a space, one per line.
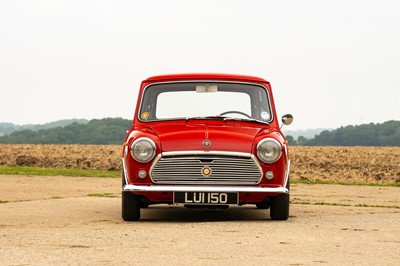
205, 140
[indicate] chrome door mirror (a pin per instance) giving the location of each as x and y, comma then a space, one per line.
287, 119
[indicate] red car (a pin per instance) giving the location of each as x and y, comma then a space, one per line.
205, 140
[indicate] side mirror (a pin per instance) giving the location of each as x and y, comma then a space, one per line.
287, 119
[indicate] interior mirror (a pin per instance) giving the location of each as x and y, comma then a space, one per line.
287, 119
207, 88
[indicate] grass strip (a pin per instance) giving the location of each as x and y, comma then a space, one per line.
322, 182
3, 201
7, 170
24, 170
344, 205
103, 195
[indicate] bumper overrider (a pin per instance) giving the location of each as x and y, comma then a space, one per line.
204, 188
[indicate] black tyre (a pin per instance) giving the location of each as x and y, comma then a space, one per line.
130, 204
280, 206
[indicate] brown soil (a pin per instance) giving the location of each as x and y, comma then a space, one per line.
348, 164
77, 221
104, 157
378, 165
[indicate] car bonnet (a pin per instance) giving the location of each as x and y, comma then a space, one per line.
196, 136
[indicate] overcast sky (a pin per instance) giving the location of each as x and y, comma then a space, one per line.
330, 63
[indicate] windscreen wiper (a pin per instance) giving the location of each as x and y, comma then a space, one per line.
225, 118
217, 117
245, 119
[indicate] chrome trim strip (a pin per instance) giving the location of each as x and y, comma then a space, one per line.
205, 80
125, 171
162, 188
287, 173
156, 159
201, 152
254, 158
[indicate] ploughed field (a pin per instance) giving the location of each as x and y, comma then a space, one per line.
377, 165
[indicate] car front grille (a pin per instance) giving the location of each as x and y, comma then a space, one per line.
189, 169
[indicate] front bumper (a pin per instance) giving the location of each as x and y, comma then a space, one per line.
178, 188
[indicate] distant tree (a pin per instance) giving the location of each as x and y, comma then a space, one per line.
301, 140
98, 131
113, 130
291, 140
385, 134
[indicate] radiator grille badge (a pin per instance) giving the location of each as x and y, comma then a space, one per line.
206, 171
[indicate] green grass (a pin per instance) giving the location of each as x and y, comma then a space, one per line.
7, 170
56, 197
103, 195
321, 182
16, 170
344, 205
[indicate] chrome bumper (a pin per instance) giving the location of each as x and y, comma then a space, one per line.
177, 188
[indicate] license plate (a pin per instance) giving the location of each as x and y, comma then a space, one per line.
206, 198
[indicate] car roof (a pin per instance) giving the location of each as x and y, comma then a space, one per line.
205, 76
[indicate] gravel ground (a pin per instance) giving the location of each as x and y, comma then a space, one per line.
76, 221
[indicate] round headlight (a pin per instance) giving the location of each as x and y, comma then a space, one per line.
143, 150
269, 150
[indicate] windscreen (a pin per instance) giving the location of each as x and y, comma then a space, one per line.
171, 101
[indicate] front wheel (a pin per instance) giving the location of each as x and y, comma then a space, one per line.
130, 204
280, 206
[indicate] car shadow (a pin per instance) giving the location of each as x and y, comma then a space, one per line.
165, 213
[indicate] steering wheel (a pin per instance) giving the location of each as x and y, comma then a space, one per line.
235, 112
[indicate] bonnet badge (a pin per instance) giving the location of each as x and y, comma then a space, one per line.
206, 143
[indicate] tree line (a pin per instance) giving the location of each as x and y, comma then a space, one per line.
113, 130
8, 128
384, 134
97, 131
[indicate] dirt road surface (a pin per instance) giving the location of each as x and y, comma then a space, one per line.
77, 221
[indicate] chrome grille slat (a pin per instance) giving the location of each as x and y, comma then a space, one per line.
197, 175
226, 169
222, 169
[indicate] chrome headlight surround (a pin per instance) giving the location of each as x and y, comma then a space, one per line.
143, 150
269, 150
